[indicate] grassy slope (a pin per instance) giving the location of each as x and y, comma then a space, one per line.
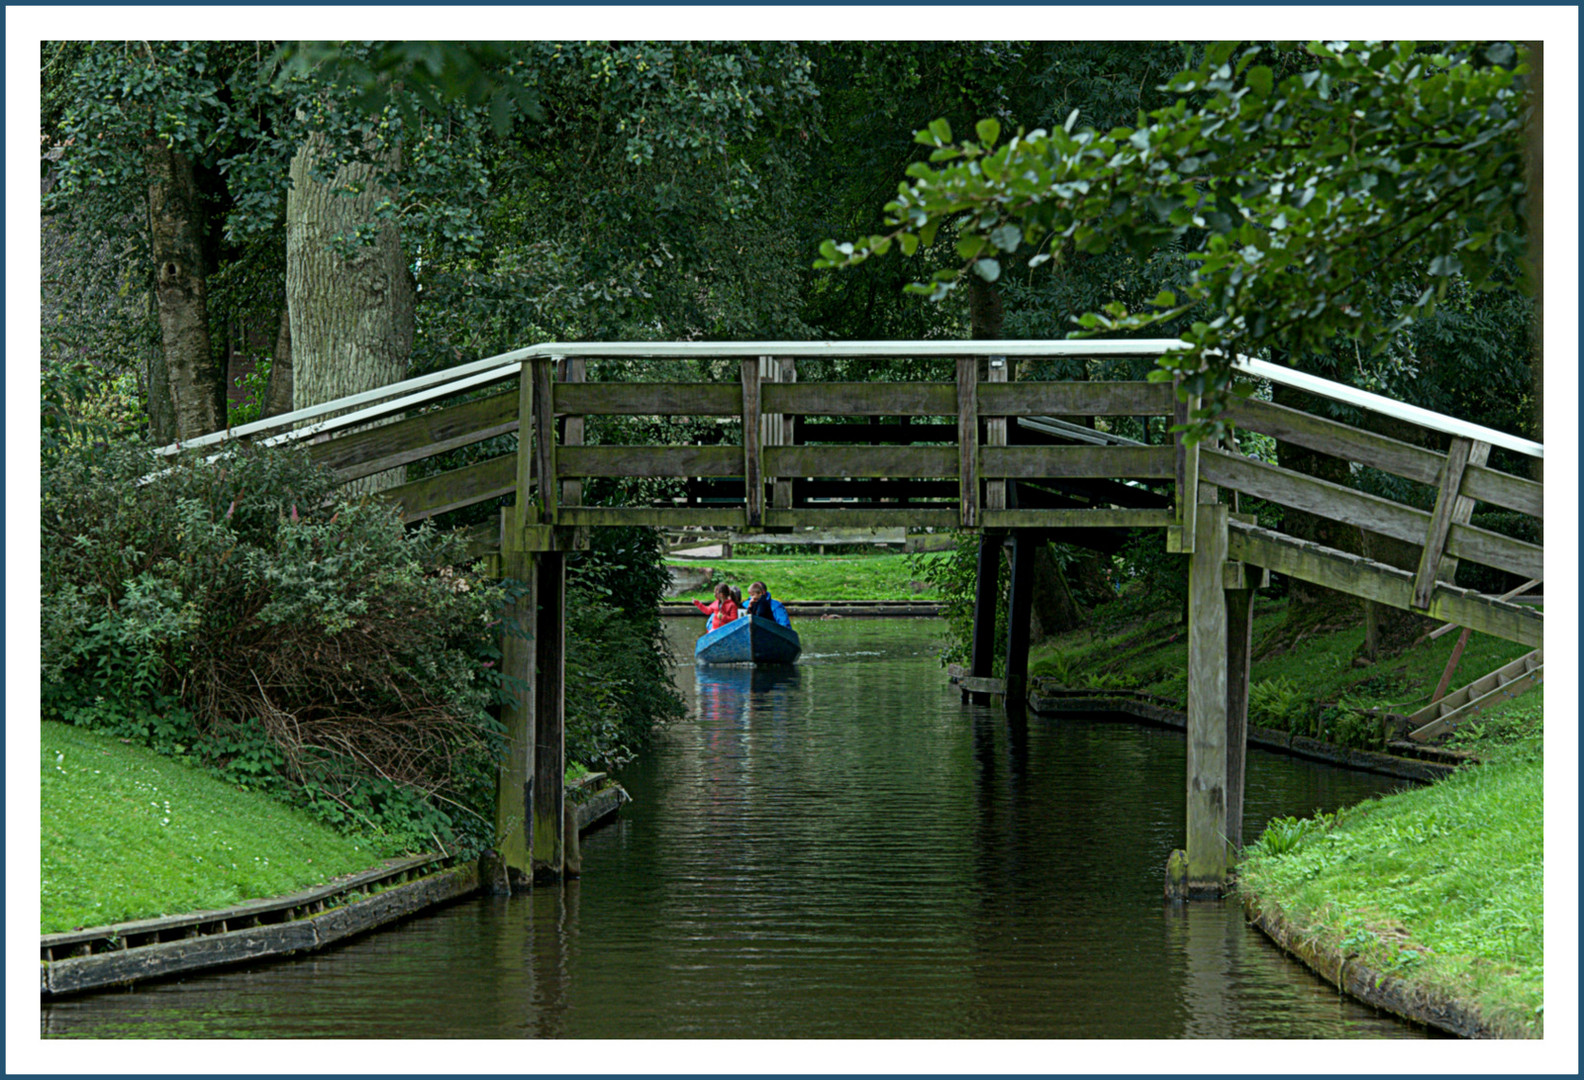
129, 834
1442, 886
1151, 654
814, 577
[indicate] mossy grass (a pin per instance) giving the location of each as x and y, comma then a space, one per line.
1441, 886
129, 834
850, 575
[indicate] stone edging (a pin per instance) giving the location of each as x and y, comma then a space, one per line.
1354, 978
1154, 710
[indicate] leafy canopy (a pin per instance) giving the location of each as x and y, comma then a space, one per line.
1301, 199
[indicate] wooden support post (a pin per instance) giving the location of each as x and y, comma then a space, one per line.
1239, 648
753, 482
544, 440
549, 699
982, 660
968, 446
996, 435
514, 781
1020, 608
1450, 508
1207, 705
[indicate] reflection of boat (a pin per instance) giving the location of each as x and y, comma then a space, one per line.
749, 640
747, 680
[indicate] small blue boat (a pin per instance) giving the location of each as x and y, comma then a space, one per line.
751, 640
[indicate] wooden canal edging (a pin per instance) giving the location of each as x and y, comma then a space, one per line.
793, 453
123, 953
844, 609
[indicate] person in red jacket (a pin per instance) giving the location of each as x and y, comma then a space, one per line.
723, 610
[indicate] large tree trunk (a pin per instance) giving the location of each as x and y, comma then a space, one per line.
278, 395
186, 385
351, 316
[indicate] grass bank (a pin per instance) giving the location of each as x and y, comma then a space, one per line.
1309, 683
1439, 888
802, 578
129, 834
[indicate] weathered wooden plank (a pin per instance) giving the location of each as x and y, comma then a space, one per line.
862, 517
1317, 496
1078, 462
544, 441
861, 399
1099, 518
1449, 506
1383, 584
364, 453
1076, 399
1367, 511
392, 904
651, 461
648, 399
514, 775
481, 481
981, 686
968, 441
1493, 549
1504, 489
916, 462
1207, 703
1340, 440
660, 517
80, 973
752, 453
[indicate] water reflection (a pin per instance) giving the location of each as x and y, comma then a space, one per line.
842, 849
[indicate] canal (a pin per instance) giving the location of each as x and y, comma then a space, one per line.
844, 850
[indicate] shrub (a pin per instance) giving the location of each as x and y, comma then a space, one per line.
1277, 703
240, 613
955, 575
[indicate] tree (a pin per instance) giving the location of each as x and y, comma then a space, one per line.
143, 116
1300, 197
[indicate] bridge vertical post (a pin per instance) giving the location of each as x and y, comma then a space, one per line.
981, 662
968, 445
514, 782
549, 700
1020, 608
1207, 705
753, 477
1239, 650
574, 369
782, 370
996, 435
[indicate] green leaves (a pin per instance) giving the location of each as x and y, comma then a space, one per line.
1319, 201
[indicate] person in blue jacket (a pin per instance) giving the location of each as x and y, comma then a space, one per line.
761, 603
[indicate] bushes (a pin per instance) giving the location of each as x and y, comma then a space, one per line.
242, 615
617, 658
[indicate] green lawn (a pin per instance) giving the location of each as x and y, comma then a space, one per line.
801, 578
1442, 886
128, 834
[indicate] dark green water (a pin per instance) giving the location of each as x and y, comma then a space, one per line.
845, 851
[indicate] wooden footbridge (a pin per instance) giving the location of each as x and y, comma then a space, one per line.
1017, 461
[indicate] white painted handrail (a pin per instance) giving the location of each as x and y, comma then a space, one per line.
412, 392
